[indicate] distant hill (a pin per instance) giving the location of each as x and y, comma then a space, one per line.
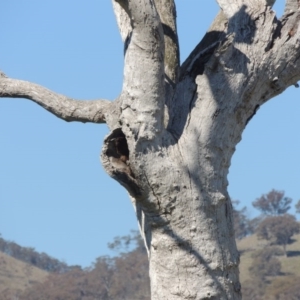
32, 257
290, 264
16, 276
288, 280
124, 276
127, 276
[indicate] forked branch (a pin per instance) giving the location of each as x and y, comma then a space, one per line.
167, 13
143, 97
291, 6
61, 106
232, 7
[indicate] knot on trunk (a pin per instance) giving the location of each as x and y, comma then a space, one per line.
115, 159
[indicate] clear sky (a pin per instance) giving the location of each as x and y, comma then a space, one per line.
54, 194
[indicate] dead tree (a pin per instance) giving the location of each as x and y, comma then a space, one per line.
174, 129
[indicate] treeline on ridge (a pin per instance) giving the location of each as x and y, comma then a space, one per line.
32, 257
125, 276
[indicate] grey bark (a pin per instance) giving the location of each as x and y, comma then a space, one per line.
174, 130
63, 107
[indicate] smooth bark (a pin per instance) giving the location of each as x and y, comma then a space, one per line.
63, 107
174, 130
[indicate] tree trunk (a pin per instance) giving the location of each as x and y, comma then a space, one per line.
180, 194
177, 178
284, 250
174, 130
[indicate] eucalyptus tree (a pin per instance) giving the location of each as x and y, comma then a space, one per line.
273, 203
174, 129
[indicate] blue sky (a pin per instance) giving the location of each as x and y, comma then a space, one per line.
54, 194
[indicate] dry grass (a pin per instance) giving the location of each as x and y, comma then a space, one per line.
251, 243
296, 245
245, 264
16, 275
247, 246
290, 264
281, 284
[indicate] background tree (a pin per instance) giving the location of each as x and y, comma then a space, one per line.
174, 129
274, 203
122, 244
279, 229
69, 286
297, 206
291, 292
253, 289
265, 263
29, 255
125, 276
242, 225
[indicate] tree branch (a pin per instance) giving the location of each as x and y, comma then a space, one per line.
232, 7
286, 71
143, 94
291, 6
167, 13
61, 106
123, 21
215, 34
240, 64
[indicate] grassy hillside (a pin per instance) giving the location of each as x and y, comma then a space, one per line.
247, 246
16, 275
290, 265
